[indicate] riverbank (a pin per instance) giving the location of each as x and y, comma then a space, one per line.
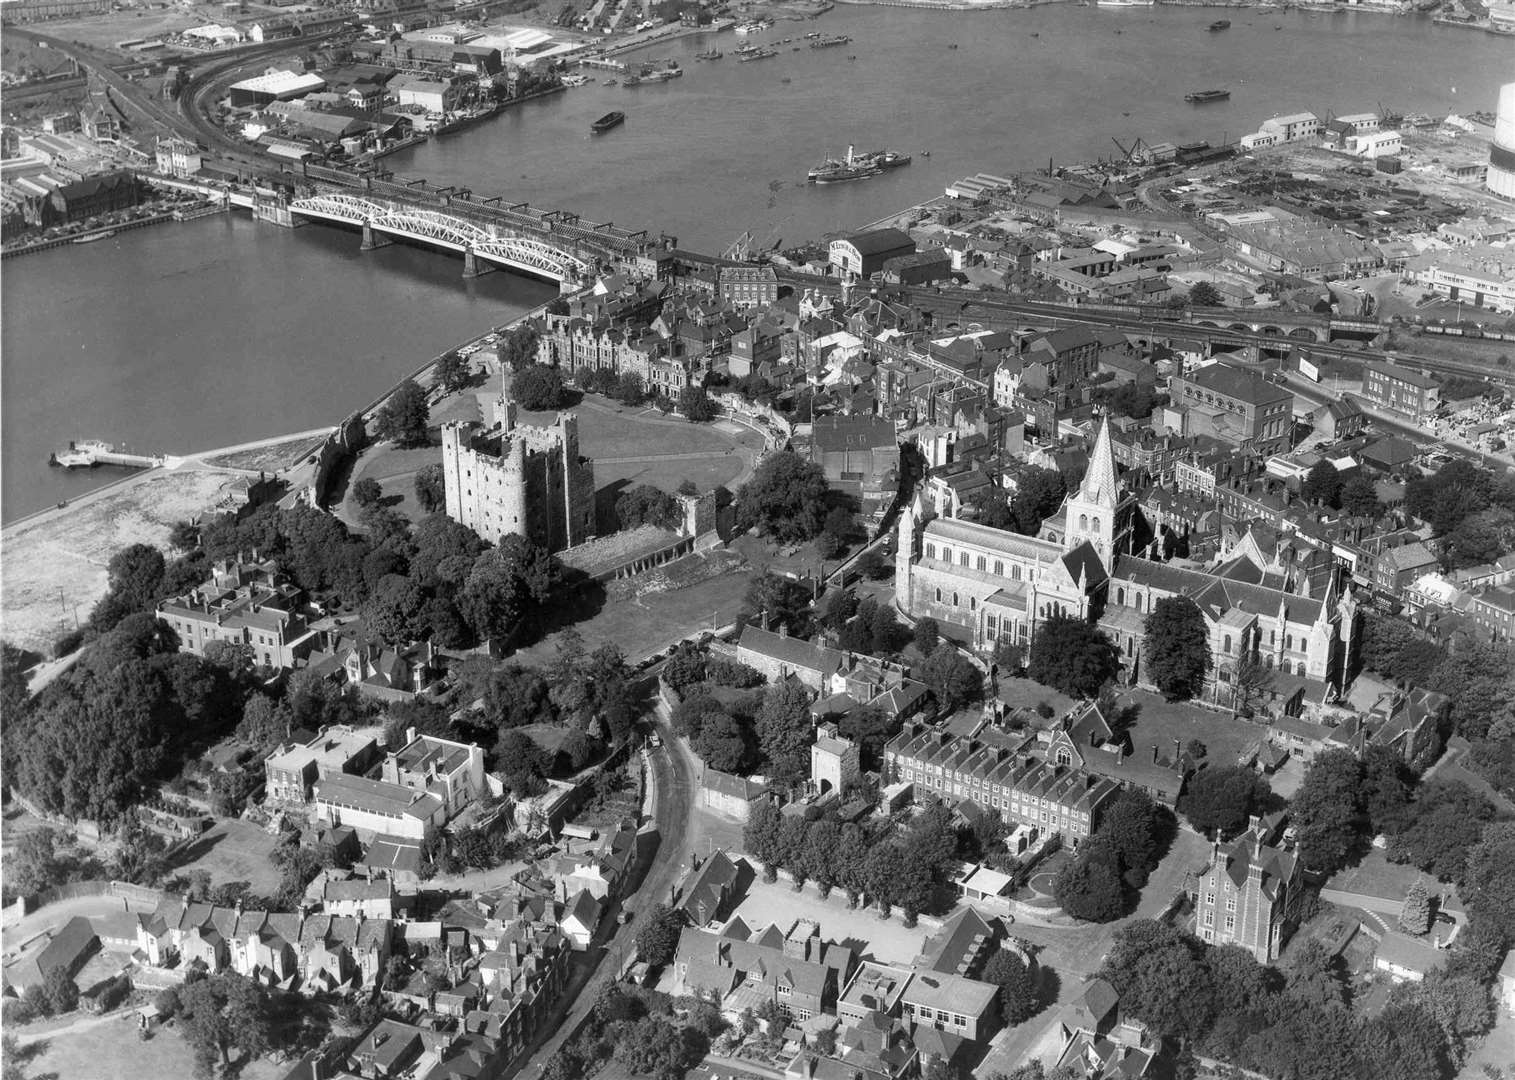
109, 229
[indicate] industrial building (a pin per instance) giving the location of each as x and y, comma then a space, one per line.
274, 86
1501, 175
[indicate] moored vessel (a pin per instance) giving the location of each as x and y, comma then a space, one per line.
1204, 97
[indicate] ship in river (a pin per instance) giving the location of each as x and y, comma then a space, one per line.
608, 121
1204, 97
712, 54
856, 166
830, 42
747, 56
1218, 25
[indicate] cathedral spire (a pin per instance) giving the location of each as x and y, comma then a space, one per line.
1100, 486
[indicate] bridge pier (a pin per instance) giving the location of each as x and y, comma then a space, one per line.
373, 240
472, 267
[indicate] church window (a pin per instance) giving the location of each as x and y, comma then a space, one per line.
1299, 668
1226, 648
972, 603
1015, 572
938, 596
1120, 597
983, 564
1288, 641
1138, 601
999, 568
946, 554
1096, 524
963, 559
1083, 521
1063, 756
954, 600
930, 551
991, 621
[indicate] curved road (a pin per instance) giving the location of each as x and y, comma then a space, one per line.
674, 778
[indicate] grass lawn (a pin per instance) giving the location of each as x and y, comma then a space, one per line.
654, 620
112, 1050
1161, 722
1019, 693
236, 851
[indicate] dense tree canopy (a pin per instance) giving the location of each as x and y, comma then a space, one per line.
506, 588
1038, 494
953, 679
785, 731
648, 505
1176, 648
1071, 655
404, 416
786, 498
1222, 798
538, 387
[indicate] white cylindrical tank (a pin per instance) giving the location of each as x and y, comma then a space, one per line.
1501, 179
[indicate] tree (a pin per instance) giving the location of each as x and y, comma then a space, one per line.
926, 636
1359, 497
1249, 678
722, 743
1016, 982
223, 1012
695, 405
653, 1047
629, 389
1176, 646
647, 505
658, 939
870, 565
952, 677
1038, 494
1204, 294
1138, 832
1313, 977
1327, 811
405, 416
785, 499
784, 731
184, 536
1090, 890
507, 587
1323, 484
538, 387
1415, 913
135, 575
1446, 822
393, 611
62, 993
1161, 976
1223, 797
431, 488
518, 348
1071, 655
1490, 886
451, 372
367, 492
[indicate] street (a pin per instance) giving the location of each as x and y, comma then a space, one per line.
673, 776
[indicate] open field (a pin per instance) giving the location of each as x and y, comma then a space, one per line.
655, 620
103, 31
55, 562
1161, 722
108, 1048
236, 851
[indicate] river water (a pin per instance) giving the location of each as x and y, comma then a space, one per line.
220, 331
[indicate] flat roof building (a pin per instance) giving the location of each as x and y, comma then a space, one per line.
274, 86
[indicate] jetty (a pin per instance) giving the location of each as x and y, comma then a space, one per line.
89, 453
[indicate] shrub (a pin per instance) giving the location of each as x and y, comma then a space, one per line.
724, 672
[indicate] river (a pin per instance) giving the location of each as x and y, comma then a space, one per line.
220, 331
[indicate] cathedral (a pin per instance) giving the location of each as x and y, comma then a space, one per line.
1000, 586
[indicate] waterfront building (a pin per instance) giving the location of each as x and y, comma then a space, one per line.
177, 157
244, 604
1239, 407
1403, 391
864, 254
432, 95
748, 286
519, 479
1293, 127
1248, 894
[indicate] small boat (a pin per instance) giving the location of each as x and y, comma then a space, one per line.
812, 35
786, 79
953, 45
713, 54
925, 153
606, 122
609, 82
1218, 25
92, 237
1035, 34
1204, 97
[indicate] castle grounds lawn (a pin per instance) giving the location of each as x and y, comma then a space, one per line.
111, 1049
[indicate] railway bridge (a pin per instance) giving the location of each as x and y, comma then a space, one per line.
488, 232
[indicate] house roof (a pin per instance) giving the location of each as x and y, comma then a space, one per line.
1411, 954
878, 241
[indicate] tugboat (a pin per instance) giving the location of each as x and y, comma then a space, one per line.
606, 122
1220, 24
1205, 97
